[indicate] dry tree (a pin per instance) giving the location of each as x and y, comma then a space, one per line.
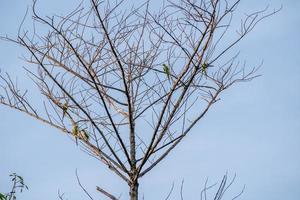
128, 84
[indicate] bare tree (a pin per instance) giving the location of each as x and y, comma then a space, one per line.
129, 85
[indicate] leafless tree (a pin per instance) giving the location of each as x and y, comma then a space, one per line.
128, 85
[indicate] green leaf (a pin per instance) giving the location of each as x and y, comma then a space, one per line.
21, 178
2, 197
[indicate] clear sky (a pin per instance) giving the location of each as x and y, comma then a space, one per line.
253, 132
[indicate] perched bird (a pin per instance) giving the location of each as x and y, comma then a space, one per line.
75, 132
65, 108
83, 135
204, 67
167, 70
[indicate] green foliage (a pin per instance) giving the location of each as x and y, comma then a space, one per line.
2, 196
17, 185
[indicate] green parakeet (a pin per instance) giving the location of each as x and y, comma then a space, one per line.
167, 70
83, 135
65, 108
75, 132
204, 67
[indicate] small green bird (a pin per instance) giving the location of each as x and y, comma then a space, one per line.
83, 135
167, 70
75, 132
204, 67
65, 108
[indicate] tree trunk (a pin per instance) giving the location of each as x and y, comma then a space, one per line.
133, 193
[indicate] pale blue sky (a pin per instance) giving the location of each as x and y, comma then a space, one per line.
253, 132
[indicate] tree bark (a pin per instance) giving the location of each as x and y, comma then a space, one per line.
133, 193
